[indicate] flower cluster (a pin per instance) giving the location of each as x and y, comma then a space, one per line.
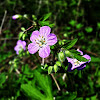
75, 64
42, 40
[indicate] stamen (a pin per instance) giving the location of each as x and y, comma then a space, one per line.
40, 41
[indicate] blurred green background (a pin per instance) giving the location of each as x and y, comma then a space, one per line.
69, 19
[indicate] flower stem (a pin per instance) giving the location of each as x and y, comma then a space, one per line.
55, 82
42, 61
17, 71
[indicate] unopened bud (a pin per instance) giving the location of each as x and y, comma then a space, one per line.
55, 68
14, 17
67, 53
61, 56
50, 69
58, 63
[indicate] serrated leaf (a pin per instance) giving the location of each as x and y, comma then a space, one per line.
39, 88
74, 51
71, 44
44, 23
46, 16
79, 57
51, 25
32, 92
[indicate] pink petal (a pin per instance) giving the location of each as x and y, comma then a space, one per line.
44, 52
69, 59
81, 67
45, 31
24, 43
34, 35
33, 48
19, 42
87, 57
51, 39
80, 51
16, 48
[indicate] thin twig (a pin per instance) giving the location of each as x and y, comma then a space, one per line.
14, 38
55, 82
29, 19
28, 28
3, 20
79, 2
92, 53
34, 68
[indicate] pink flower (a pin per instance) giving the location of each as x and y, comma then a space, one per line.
20, 45
74, 63
42, 40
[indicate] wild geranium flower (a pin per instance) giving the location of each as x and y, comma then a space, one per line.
74, 63
20, 46
14, 17
42, 40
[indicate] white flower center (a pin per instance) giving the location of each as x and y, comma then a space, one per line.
76, 62
41, 41
20, 47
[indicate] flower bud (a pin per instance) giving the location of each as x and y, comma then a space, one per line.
14, 17
55, 68
45, 66
50, 69
58, 63
67, 53
10, 62
61, 56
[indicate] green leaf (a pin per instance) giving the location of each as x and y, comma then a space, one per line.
72, 22
74, 51
88, 29
23, 37
42, 23
95, 59
78, 26
98, 25
20, 35
80, 98
79, 57
46, 16
70, 96
71, 44
39, 88
32, 92
2, 78
22, 28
